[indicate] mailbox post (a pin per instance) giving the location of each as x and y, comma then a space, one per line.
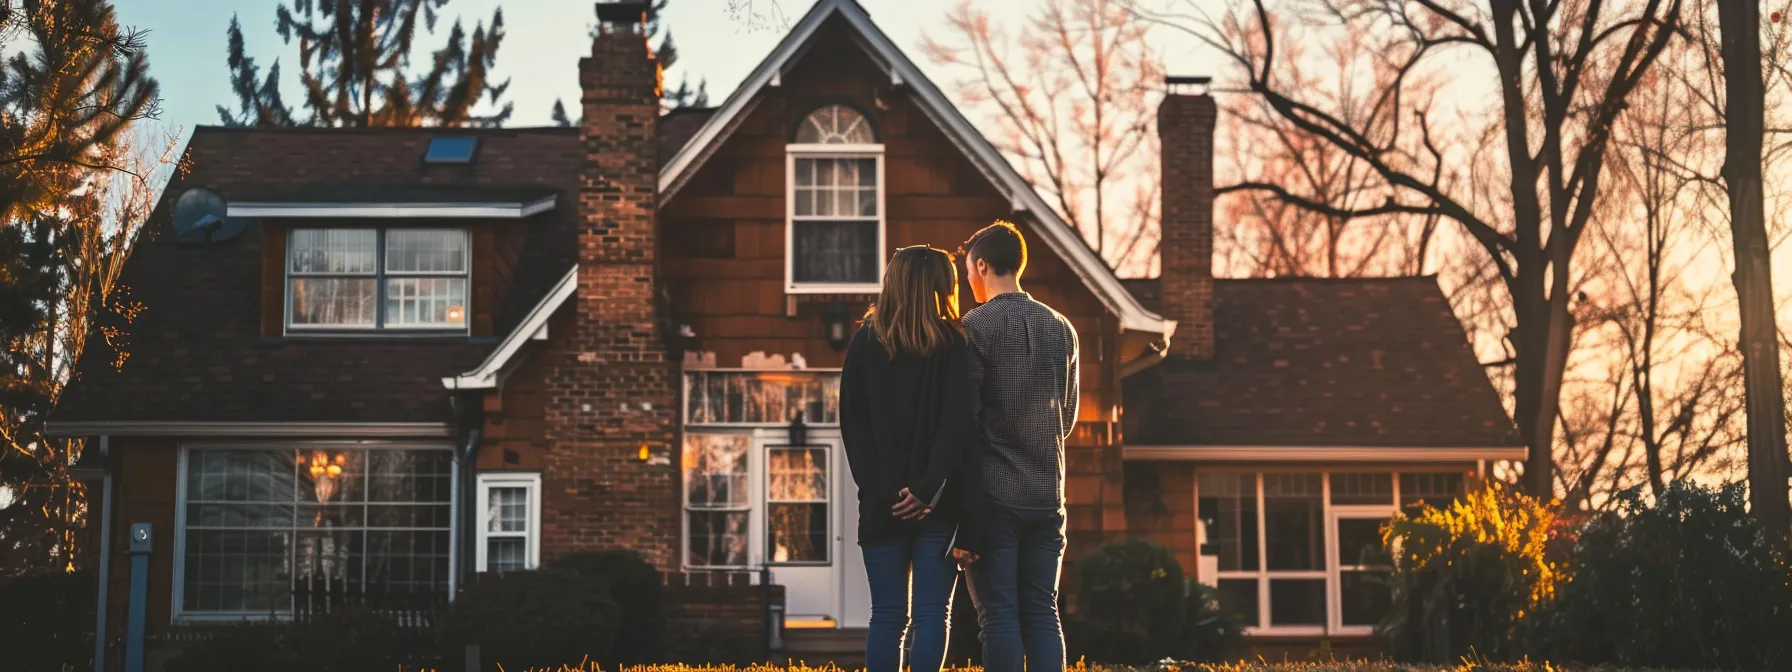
141, 537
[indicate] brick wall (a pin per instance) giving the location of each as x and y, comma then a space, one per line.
717, 617
1185, 125
610, 391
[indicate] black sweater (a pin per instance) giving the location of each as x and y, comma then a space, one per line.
906, 422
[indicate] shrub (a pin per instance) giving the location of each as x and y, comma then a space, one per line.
1130, 603
635, 586
542, 618
46, 621
1211, 631
348, 640
1466, 575
1690, 581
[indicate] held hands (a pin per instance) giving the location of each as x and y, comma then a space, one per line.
963, 557
908, 507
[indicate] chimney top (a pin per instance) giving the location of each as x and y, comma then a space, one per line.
1187, 85
617, 16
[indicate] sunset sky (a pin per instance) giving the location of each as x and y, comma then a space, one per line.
544, 40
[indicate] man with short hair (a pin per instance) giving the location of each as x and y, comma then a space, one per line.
1024, 379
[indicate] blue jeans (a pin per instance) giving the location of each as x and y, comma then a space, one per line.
1015, 588
911, 575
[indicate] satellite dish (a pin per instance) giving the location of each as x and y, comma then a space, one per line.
202, 216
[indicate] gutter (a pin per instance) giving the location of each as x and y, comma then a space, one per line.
356, 430
1320, 453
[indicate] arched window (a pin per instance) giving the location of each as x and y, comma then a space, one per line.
835, 223
835, 125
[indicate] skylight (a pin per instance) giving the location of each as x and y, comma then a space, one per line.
451, 150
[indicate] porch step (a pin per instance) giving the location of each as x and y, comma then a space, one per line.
844, 647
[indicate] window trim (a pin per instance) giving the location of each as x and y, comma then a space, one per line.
832, 507
792, 152
1329, 514
176, 612
531, 535
684, 500
379, 277
684, 399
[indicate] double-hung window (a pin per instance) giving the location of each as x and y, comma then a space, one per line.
364, 279
835, 225
509, 522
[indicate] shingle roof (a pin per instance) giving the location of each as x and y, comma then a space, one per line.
1321, 362
195, 351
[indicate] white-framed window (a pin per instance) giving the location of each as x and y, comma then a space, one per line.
747, 500
1300, 552
509, 524
366, 279
834, 225
269, 529
717, 499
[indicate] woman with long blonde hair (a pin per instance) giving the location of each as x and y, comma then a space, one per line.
906, 420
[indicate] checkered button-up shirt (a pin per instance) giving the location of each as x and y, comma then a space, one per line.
1024, 370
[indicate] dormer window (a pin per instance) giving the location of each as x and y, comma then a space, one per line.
366, 279
834, 232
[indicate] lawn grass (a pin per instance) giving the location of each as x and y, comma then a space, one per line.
1336, 666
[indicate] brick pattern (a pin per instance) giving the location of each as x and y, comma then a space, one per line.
610, 389
717, 617
1185, 125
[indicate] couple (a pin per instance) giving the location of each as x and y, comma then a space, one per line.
954, 431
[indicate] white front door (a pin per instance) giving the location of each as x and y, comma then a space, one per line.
806, 527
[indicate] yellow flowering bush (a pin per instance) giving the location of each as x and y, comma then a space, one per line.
1466, 575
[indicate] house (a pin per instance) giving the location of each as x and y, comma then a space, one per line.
430, 353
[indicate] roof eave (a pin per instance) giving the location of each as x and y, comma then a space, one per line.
364, 430
534, 326
394, 210
1270, 453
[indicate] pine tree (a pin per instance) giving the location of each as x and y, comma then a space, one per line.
355, 68
71, 95
258, 100
559, 114
667, 52
76, 89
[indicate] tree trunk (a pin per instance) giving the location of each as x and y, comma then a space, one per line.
1745, 101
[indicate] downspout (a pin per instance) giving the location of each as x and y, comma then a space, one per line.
105, 568
471, 412
468, 479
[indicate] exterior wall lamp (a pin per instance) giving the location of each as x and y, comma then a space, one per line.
834, 320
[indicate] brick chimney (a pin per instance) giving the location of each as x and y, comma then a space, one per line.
608, 480
1185, 122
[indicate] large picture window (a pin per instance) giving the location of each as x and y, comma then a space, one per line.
265, 531
835, 228
1301, 552
373, 279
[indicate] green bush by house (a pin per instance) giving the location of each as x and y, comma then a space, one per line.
45, 620
635, 586
1690, 580
535, 619
1134, 606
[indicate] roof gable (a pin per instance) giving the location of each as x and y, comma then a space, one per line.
1064, 241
